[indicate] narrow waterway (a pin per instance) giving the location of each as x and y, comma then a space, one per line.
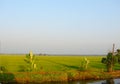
110, 81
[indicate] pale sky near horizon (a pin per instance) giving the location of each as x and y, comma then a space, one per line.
59, 26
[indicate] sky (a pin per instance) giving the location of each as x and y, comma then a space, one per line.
80, 27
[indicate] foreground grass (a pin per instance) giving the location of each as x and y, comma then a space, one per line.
53, 68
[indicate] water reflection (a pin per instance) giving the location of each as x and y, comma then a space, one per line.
110, 81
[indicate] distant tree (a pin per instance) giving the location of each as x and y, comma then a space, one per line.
110, 61
118, 55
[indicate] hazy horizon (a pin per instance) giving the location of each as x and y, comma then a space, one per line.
59, 26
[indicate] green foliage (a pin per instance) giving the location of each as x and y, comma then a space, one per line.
118, 55
30, 60
104, 60
118, 51
6, 77
111, 60
2, 69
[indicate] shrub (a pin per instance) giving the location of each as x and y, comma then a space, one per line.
84, 64
30, 60
2, 69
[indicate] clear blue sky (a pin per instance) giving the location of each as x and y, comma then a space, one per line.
59, 26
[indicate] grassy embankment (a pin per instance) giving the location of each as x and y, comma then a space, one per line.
53, 68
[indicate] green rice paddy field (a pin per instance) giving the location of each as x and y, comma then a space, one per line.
14, 63
53, 68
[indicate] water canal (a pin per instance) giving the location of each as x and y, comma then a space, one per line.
110, 81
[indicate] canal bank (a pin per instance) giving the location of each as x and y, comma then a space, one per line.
69, 76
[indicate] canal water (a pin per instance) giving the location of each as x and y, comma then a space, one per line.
110, 81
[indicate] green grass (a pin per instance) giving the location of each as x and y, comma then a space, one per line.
13, 63
53, 68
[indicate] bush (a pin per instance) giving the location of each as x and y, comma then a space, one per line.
30, 60
3, 69
84, 64
6, 77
